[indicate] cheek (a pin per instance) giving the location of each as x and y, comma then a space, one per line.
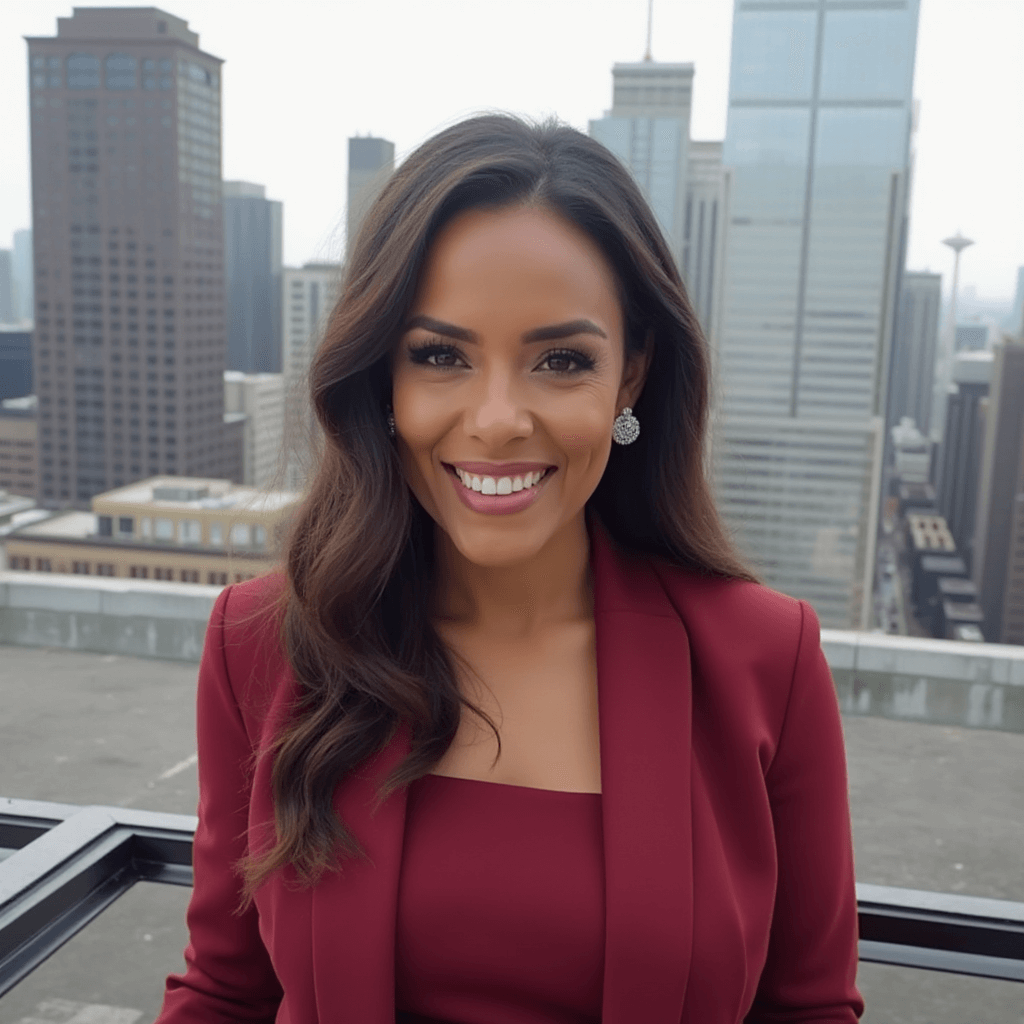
577, 444
585, 432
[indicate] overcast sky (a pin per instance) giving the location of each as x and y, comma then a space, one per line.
302, 76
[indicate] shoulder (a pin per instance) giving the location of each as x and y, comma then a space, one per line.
737, 620
246, 614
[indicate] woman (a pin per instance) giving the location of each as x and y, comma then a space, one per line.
643, 815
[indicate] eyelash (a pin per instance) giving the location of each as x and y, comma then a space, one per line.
420, 353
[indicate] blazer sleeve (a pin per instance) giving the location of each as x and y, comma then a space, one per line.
228, 976
811, 966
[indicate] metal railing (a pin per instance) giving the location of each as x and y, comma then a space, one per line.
70, 863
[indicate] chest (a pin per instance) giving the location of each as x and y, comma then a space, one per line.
542, 697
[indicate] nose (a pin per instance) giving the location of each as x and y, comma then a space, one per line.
497, 411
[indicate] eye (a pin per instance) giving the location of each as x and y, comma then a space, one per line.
568, 355
424, 354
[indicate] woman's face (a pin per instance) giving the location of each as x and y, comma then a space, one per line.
511, 363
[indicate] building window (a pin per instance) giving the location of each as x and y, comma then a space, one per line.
126, 524
146, 527
43, 565
139, 572
259, 536
80, 568
21, 562
105, 569
190, 531
105, 526
189, 575
217, 534
83, 71
121, 70
217, 579
240, 534
163, 529
163, 574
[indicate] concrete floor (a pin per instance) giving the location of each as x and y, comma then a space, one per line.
933, 807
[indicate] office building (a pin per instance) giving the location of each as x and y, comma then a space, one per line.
259, 397
912, 452
370, 163
309, 296
252, 278
704, 232
998, 570
1014, 321
21, 273
188, 530
7, 296
956, 473
915, 343
971, 337
817, 151
129, 252
15, 362
648, 129
18, 457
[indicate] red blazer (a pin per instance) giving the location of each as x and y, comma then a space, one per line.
727, 842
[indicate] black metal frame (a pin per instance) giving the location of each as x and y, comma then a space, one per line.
70, 863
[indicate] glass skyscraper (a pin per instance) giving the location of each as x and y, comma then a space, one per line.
816, 154
648, 129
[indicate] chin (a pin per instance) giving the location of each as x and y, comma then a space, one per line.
499, 544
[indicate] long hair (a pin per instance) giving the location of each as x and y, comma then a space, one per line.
353, 611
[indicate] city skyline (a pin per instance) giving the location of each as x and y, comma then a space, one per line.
306, 168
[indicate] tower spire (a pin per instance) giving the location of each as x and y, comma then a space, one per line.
650, 18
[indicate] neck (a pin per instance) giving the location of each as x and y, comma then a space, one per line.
552, 588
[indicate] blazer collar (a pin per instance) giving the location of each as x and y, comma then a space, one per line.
644, 706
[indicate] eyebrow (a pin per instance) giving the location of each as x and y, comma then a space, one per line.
549, 333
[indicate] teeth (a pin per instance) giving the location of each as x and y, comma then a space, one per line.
499, 485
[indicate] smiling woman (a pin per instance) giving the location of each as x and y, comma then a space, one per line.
511, 518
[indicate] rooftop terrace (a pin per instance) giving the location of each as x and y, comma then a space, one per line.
935, 807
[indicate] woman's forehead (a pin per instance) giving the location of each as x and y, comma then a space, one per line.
529, 260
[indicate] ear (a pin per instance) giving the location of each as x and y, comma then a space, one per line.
634, 373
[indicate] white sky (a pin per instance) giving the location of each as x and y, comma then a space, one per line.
303, 75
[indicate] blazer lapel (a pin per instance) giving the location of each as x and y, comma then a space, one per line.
644, 707
354, 910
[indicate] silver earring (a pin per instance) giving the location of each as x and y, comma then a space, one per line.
626, 428
391, 423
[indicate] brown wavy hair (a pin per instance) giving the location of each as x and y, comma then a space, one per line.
353, 613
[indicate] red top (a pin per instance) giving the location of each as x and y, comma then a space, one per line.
500, 905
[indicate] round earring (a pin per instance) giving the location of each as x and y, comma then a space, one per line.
391, 423
626, 428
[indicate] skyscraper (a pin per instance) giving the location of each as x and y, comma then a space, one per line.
956, 477
648, 129
309, 295
129, 252
370, 162
7, 292
1014, 322
915, 343
703, 231
998, 569
21, 271
817, 148
252, 287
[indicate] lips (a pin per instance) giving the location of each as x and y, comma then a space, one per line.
499, 504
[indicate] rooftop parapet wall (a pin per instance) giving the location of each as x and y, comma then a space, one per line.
140, 618
942, 682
